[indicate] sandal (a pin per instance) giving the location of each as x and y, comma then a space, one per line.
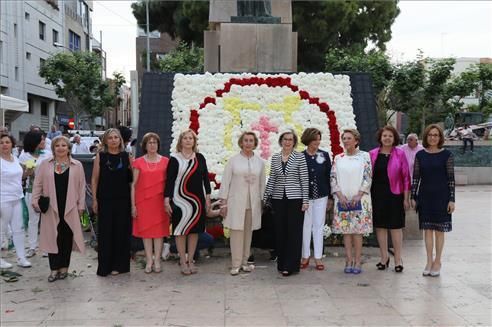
148, 269
185, 270
193, 268
63, 275
348, 267
320, 266
305, 264
53, 277
157, 268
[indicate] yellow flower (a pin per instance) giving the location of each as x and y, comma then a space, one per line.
30, 164
344, 223
227, 233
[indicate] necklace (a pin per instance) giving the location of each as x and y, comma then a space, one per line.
60, 167
187, 157
151, 165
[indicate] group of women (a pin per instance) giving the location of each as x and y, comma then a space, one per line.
144, 196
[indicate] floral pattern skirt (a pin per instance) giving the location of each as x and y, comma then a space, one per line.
353, 222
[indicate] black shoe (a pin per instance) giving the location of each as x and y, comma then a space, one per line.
382, 266
399, 268
251, 259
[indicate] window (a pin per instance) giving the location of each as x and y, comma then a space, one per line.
55, 36
29, 103
42, 30
27, 16
87, 42
73, 41
44, 108
16, 72
41, 62
15, 30
28, 55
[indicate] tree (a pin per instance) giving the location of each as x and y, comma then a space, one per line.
321, 25
375, 62
77, 78
182, 59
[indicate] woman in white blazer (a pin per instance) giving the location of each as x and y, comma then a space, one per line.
243, 184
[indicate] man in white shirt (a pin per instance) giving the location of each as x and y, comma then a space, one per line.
467, 137
78, 147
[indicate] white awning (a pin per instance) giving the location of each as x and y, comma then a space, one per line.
10, 103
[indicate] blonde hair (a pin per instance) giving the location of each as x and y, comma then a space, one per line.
104, 141
179, 147
354, 132
57, 140
241, 138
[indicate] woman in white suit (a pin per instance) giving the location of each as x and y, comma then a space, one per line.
243, 184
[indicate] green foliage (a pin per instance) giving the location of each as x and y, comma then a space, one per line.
185, 20
321, 25
182, 59
77, 78
350, 24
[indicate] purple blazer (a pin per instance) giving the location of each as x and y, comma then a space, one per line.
398, 172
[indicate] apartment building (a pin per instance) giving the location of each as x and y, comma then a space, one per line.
30, 32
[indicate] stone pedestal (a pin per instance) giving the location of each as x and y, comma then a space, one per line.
411, 230
250, 44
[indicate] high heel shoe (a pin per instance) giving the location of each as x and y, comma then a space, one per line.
382, 266
435, 273
348, 267
399, 268
305, 264
357, 269
185, 270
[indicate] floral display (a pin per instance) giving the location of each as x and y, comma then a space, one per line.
219, 107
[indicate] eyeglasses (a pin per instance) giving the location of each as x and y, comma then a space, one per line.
433, 135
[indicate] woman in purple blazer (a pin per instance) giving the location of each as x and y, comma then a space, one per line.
390, 192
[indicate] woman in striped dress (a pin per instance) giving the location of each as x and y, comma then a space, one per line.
185, 201
288, 191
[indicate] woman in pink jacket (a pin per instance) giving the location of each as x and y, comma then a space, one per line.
62, 179
390, 193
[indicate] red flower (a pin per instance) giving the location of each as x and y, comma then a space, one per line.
304, 95
324, 107
219, 93
314, 100
294, 88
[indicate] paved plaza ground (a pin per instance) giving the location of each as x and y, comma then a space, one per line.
461, 296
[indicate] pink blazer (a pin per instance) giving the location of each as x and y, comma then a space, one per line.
398, 172
44, 184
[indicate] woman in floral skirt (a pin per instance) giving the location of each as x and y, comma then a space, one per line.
351, 177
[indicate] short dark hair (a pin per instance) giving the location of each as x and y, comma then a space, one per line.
396, 136
290, 131
126, 133
12, 139
146, 139
309, 135
427, 130
32, 140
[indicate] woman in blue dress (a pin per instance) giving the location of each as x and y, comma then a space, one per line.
433, 194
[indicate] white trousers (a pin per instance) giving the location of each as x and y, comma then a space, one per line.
314, 221
240, 241
11, 214
33, 227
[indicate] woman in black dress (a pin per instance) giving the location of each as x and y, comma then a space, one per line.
390, 194
111, 179
184, 198
433, 194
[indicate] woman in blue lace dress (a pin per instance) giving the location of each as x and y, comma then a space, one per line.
433, 194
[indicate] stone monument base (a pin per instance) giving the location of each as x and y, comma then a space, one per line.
411, 230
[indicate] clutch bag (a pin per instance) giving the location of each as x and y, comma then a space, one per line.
350, 206
44, 203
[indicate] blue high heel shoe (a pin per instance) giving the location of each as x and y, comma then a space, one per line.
348, 268
356, 269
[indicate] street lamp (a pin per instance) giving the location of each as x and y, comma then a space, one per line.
59, 45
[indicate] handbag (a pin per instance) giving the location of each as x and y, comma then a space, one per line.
350, 206
44, 203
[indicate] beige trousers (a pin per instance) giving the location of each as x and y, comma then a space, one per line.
241, 242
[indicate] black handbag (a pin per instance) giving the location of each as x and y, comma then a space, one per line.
44, 203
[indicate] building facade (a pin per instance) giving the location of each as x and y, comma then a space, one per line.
30, 32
